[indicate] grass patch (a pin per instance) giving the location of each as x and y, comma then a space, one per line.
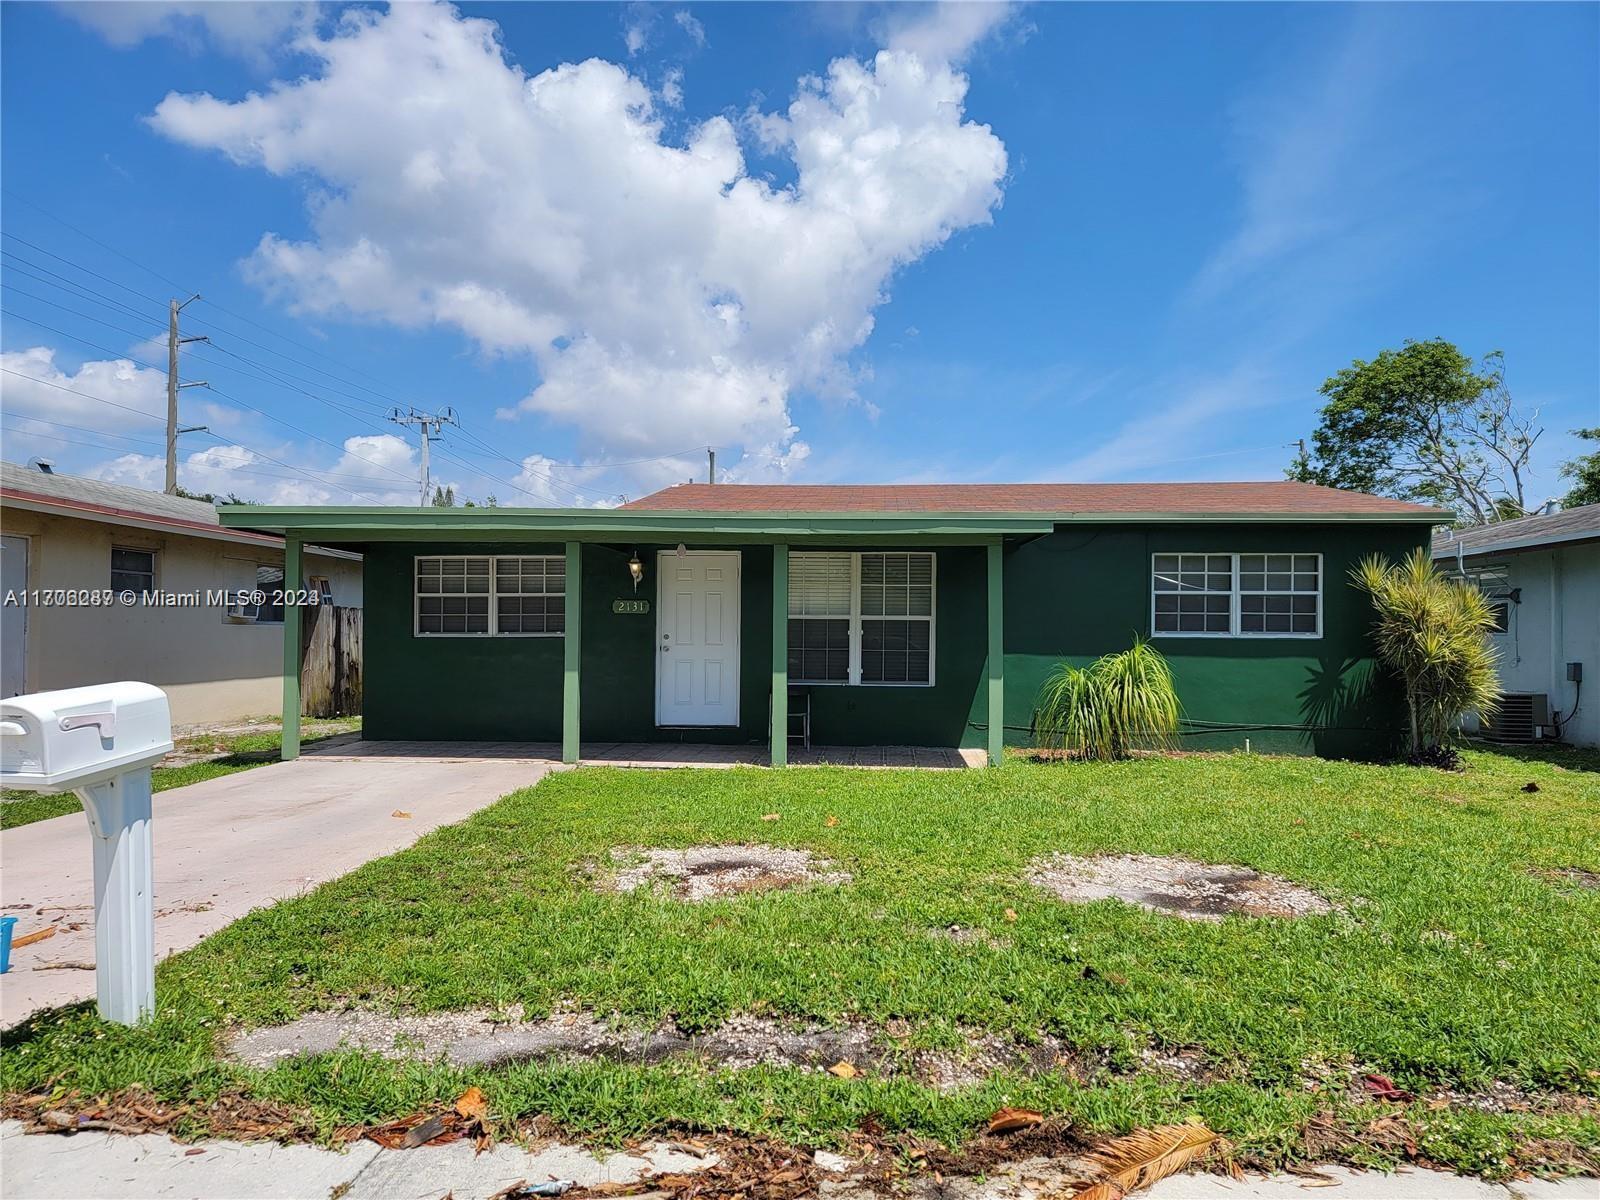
237, 752
1452, 964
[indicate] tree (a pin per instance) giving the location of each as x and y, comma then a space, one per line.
1425, 423
444, 497
1432, 631
1586, 470
210, 497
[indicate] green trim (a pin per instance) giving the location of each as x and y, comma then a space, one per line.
570, 695
358, 524
997, 654
417, 524
779, 733
293, 560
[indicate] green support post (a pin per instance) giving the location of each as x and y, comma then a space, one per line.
574, 653
997, 655
292, 575
779, 736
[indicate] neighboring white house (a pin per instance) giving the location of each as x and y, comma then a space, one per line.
1543, 573
63, 536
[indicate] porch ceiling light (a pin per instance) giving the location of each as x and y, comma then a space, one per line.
636, 569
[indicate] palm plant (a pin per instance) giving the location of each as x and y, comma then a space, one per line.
1119, 703
1432, 631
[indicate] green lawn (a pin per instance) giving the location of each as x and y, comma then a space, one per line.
1453, 962
238, 752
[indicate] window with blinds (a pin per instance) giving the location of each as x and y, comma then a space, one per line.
861, 618
820, 612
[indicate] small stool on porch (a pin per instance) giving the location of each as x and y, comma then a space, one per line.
799, 715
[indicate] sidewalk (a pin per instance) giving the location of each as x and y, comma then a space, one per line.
105, 1166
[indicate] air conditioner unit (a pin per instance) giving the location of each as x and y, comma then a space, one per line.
1522, 717
240, 613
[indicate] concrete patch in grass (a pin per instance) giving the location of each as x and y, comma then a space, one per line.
480, 1037
1175, 886
712, 872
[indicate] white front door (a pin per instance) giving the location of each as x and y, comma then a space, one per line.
697, 637
13, 617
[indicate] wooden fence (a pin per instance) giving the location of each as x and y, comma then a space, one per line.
330, 662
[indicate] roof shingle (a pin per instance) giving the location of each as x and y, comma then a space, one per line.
1569, 525
1281, 498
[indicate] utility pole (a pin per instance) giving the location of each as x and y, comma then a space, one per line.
173, 387
429, 425
711, 468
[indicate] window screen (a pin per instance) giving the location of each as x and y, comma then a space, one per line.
1193, 593
1279, 593
133, 570
269, 580
453, 595
530, 594
1239, 595
511, 595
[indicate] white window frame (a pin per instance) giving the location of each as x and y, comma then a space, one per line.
856, 618
1234, 602
494, 596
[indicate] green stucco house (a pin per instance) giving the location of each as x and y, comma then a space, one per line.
895, 615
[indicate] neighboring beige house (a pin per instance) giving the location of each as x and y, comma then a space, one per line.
1542, 574
64, 534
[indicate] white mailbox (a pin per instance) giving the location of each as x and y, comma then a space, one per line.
101, 742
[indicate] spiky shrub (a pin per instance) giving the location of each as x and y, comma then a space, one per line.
1117, 704
1433, 632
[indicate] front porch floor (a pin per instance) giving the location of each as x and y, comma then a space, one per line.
647, 754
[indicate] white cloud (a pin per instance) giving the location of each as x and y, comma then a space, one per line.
665, 294
672, 88
380, 469
690, 24
242, 28
127, 397
946, 32
637, 21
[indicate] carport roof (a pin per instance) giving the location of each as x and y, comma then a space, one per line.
1026, 510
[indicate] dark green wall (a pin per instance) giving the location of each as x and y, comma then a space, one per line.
464, 688
494, 689
1071, 596
940, 715
1085, 591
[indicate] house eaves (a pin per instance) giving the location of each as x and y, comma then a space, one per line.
56, 506
367, 524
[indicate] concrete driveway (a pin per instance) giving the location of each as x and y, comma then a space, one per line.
226, 846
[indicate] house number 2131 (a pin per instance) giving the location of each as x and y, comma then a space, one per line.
630, 606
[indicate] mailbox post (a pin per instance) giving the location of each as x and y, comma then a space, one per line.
100, 742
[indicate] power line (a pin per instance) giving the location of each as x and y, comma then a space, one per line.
214, 391
105, 433
573, 489
60, 220
151, 416
80, 267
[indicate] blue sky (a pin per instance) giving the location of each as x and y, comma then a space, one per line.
841, 243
